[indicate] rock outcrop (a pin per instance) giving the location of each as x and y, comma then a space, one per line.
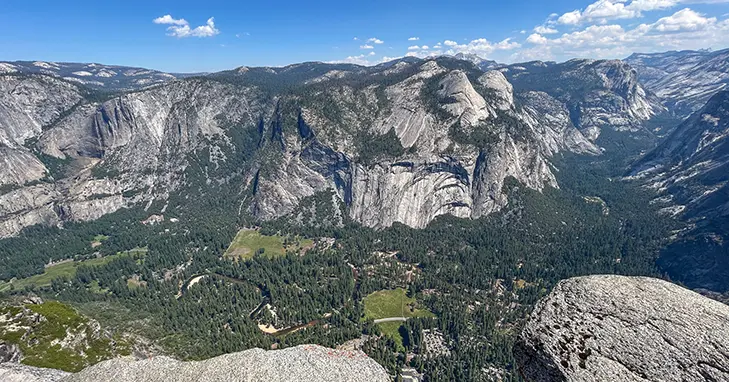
617, 328
308, 363
403, 142
683, 80
599, 94
14, 372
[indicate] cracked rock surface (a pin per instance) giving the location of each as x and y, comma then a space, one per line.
309, 363
617, 328
15, 372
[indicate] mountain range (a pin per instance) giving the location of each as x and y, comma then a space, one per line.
402, 142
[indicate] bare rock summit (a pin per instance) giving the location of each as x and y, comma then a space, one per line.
309, 363
617, 328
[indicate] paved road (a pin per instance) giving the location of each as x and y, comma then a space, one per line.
390, 319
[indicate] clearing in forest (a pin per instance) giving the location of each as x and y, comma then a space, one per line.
391, 304
249, 242
66, 269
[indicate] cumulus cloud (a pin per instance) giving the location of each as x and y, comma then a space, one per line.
481, 46
414, 47
181, 28
375, 40
536, 38
683, 20
684, 29
543, 29
168, 19
366, 46
603, 10
358, 60
414, 39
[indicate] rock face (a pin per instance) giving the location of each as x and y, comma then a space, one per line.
688, 170
405, 141
309, 363
13, 372
598, 94
683, 80
616, 328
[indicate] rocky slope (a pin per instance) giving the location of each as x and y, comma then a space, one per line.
91, 75
683, 80
688, 172
53, 335
13, 372
616, 328
403, 142
598, 94
302, 363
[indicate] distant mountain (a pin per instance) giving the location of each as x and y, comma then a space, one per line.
599, 94
481, 63
683, 80
689, 170
94, 76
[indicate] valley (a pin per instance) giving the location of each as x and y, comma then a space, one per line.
416, 210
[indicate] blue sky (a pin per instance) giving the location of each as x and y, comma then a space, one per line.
193, 36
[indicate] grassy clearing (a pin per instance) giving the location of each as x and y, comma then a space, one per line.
98, 240
247, 243
392, 303
65, 269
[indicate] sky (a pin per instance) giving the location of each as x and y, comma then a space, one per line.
211, 35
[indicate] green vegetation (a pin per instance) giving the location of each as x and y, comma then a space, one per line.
63, 270
101, 238
392, 303
373, 147
249, 243
63, 339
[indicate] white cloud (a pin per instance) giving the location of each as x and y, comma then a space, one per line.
683, 20
603, 10
358, 60
366, 46
537, 39
684, 29
414, 39
570, 18
375, 41
414, 47
424, 47
169, 20
542, 29
181, 28
356, 39
481, 46
372, 53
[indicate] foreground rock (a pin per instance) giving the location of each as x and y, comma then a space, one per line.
309, 363
616, 328
13, 372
